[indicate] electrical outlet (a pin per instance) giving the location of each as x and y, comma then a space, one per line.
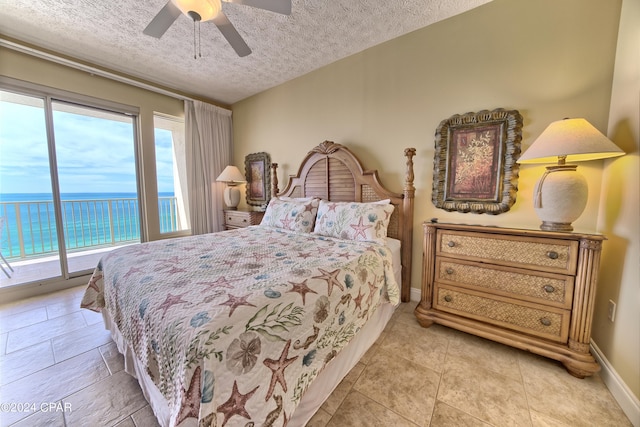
612, 310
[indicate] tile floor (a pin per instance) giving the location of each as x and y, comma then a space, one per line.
58, 359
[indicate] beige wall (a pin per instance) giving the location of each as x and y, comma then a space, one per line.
619, 217
545, 58
509, 54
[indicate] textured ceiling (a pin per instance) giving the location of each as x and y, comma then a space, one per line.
108, 33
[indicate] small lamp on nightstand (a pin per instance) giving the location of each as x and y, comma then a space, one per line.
232, 177
560, 195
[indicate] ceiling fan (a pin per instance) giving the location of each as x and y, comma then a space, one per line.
211, 10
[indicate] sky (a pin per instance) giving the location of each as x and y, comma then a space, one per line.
94, 154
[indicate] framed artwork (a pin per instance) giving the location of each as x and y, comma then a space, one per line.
474, 164
257, 168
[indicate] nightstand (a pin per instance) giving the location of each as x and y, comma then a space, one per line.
240, 219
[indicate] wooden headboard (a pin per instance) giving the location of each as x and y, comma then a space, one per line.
331, 172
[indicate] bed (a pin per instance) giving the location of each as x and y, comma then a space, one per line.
258, 325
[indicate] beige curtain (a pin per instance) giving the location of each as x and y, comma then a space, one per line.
209, 149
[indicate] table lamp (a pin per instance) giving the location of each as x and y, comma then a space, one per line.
561, 194
232, 177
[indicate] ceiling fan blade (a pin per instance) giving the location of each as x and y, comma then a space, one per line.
278, 6
231, 34
163, 20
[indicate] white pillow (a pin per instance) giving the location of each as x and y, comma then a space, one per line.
296, 199
291, 214
354, 221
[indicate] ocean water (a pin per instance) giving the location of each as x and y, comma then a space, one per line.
89, 219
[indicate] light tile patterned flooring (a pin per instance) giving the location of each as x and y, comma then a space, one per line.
59, 360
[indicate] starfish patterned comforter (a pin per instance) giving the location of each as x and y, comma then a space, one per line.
232, 327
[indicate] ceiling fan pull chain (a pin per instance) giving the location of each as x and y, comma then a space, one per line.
199, 42
194, 40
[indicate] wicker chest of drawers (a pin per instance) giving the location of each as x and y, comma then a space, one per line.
530, 289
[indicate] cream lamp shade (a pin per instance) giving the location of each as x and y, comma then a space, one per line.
561, 194
232, 177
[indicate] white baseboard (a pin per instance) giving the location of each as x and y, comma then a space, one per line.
415, 295
19, 292
621, 393
619, 390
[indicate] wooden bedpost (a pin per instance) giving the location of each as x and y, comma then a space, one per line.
274, 180
407, 228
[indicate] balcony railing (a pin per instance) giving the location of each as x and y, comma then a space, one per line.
29, 227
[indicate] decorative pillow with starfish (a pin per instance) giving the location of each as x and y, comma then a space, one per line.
354, 221
291, 214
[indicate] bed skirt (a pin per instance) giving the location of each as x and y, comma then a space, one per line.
316, 394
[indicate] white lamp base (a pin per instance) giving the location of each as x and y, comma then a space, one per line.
560, 197
231, 197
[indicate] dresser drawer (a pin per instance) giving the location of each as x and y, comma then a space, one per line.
240, 219
544, 288
545, 322
554, 255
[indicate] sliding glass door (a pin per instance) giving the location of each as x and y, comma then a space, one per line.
68, 186
27, 215
97, 186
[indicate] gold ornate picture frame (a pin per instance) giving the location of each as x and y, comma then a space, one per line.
474, 164
257, 169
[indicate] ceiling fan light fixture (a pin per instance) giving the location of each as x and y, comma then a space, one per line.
210, 10
207, 9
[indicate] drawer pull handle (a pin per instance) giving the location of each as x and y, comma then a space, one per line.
449, 270
448, 298
548, 289
552, 254
545, 321
451, 243
244, 220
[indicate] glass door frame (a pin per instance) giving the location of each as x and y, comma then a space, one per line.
49, 95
